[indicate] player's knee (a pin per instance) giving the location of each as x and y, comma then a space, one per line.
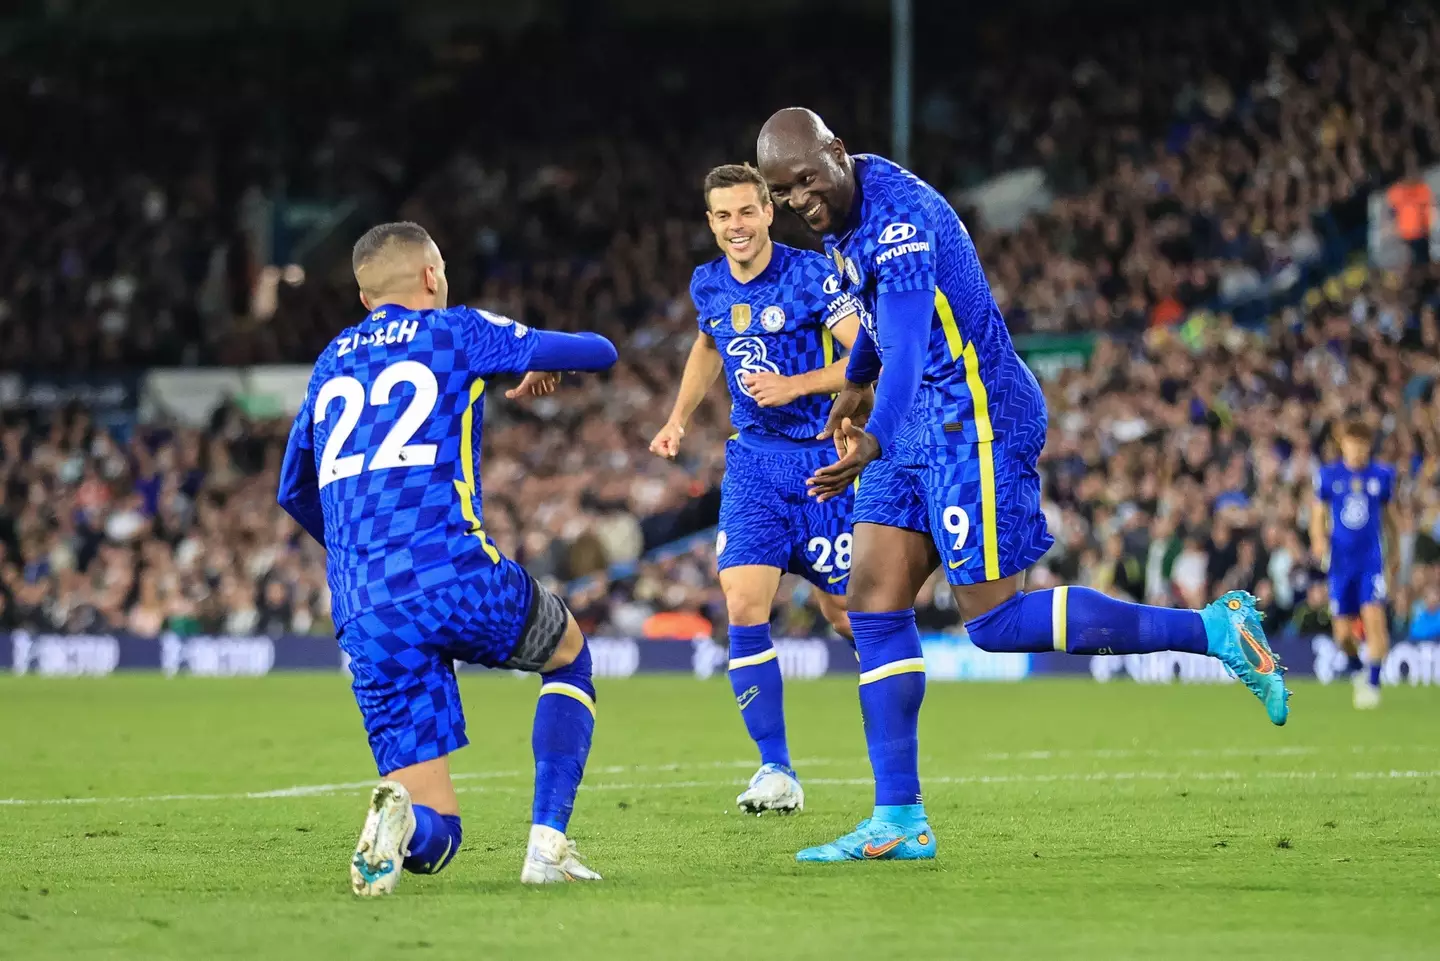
746, 605
995, 630
571, 646
875, 589
575, 673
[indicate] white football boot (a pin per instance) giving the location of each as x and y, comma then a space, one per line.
384, 842
1367, 698
773, 788
552, 857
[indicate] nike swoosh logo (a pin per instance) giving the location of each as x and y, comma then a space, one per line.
715, 323
871, 851
1265, 664
837, 580
954, 564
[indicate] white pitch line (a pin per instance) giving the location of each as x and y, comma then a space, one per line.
342, 787
321, 790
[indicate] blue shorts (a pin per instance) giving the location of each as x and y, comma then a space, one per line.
979, 503
402, 657
767, 519
1351, 590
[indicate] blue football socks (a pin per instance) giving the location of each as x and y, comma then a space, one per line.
564, 723
436, 839
760, 691
1078, 620
892, 687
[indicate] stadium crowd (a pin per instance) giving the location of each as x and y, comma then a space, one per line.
1198, 161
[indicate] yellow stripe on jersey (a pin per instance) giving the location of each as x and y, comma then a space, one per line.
947, 324
827, 342
466, 488
984, 430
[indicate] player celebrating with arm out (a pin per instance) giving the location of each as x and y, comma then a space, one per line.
383, 468
769, 316
951, 449
1351, 498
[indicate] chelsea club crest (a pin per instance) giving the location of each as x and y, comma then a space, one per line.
772, 319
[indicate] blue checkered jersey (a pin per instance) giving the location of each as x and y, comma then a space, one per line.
779, 322
902, 235
383, 462
1357, 500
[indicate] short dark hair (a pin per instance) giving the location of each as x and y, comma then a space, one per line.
733, 175
377, 238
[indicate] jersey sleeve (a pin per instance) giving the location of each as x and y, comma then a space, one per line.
823, 297
698, 298
299, 492
905, 254
495, 344
1320, 481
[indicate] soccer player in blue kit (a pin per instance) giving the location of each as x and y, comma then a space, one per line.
383, 468
769, 318
949, 457
1352, 498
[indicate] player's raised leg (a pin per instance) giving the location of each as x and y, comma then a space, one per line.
564, 725
759, 688
889, 567
1077, 620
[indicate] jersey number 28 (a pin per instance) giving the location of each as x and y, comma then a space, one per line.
395, 449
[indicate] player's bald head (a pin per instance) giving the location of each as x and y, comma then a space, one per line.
793, 132
398, 262
807, 167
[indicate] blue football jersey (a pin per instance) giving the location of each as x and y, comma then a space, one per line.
902, 236
779, 322
1357, 500
388, 442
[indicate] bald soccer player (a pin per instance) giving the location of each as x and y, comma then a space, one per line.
949, 471
383, 468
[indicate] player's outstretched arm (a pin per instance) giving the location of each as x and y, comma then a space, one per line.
584, 351
702, 367
299, 492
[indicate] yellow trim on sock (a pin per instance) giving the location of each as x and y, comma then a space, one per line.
750, 660
910, 665
568, 690
1059, 618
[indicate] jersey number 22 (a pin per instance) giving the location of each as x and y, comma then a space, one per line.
395, 449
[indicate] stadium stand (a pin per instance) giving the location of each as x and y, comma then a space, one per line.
1204, 227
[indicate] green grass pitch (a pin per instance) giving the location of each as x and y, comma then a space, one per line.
1075, 820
